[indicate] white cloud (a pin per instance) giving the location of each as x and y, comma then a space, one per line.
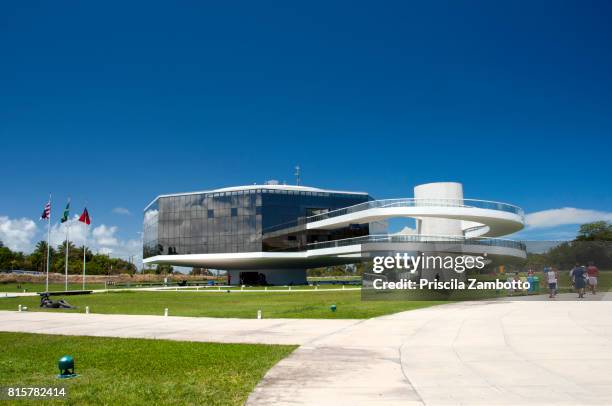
563, 216
17, 234
101, 239
96, 237
105, 236
406, 231
150, 214
122, 210
77, 232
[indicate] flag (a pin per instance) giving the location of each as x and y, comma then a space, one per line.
85, 217
46, 212
66, 212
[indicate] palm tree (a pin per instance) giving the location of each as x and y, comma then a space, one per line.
61, 249
88, 253
40, 255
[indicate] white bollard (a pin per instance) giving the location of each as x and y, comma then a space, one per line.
289, 287
242, 287
316, 287
266, 288
166, 312
86, 309
19, 308
342, 287
258, 314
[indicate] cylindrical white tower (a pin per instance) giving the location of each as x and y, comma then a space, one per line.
430, 193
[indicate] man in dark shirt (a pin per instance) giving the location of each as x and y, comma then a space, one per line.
578, 274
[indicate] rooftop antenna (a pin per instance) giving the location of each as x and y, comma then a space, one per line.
297, 175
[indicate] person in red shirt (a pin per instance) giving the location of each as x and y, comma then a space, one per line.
593, 273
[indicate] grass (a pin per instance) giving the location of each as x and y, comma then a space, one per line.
334, 278
138, 371
235, 304
269, 288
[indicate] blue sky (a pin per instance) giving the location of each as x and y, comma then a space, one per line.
116, 103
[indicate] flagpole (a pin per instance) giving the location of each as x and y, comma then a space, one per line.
67, 248
84, 249
48, 242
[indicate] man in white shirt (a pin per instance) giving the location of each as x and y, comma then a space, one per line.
551, 276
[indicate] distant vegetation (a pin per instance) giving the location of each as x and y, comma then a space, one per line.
97, 264
339, 271
592, 244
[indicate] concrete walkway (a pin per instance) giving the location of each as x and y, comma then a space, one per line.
471, 353
250, 331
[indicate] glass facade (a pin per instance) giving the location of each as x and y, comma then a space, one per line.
248, 220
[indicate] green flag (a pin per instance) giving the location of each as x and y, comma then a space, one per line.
66, 212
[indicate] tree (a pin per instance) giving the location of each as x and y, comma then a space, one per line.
75, 261
596, 231
592, 244
6, 258
164, 269
37, 260
40, 257
200, 272
61, 249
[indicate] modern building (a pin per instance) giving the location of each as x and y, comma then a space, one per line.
273, 233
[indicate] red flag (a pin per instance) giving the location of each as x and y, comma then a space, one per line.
85, 217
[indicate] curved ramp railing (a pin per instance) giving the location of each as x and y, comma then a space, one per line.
392, 203
391, 238
409, 202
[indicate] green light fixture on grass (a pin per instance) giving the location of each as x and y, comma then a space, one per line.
332, 308
66, 367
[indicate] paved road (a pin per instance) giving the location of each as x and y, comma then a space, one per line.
472, 353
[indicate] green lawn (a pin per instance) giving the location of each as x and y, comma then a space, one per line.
235, 304
334, 278
279, 287
123, 371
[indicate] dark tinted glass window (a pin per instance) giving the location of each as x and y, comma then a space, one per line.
232, 221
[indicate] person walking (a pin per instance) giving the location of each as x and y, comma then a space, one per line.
551, 276
578, 274
592, 273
